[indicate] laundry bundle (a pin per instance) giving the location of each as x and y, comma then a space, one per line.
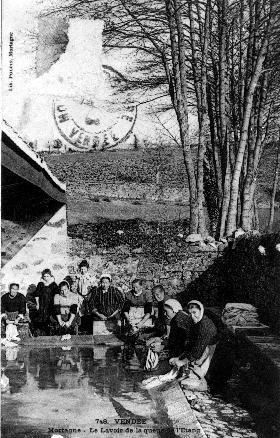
66, 337
4, 382
12, 332
154, 381
240, 314
151, 361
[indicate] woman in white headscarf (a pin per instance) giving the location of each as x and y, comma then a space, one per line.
200, 336
199, 349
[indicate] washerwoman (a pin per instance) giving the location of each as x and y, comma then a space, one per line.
138, 307
83, 286
105, 304
44, 294
66, 310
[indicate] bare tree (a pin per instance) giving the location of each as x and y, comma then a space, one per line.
274, 188
218, 57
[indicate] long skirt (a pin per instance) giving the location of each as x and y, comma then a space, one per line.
56, 328
196, 371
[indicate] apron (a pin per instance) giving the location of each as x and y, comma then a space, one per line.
104, 327
198, 370
200, 367
136, 314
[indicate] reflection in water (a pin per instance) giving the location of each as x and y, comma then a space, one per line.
14, 369
42, 366
133, 357
52, 386
106, 370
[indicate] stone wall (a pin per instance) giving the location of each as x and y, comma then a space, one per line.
238, 273
255, 278
48, 248
132, 191
178, 269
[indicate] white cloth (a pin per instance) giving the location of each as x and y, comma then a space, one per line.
85, 282
154, 381
12, 332
104, 327
136, 314
151, 360
4, 383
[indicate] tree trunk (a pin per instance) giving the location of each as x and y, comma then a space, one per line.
231, 222
179, 71
223, 84
274, 189
226, 199
255, 145
203, 125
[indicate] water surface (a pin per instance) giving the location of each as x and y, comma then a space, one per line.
92, 391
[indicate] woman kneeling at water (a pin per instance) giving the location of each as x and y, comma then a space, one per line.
196, 338
199, 348
65, 308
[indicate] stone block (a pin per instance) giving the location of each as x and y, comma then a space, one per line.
20, 266
137, 250
186, 274
57, 267
190, 264
194, 248
163, 276
149, 284
173, 267
195, 275
149, 277
38, 262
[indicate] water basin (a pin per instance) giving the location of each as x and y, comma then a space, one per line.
87, 391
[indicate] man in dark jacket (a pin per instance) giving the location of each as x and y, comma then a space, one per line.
13, 310
14, 303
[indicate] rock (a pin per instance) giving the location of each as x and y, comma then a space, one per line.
209, 239
238, 233
223, 240
255, 233
194, 238
137, 250
21, 266
203, 246
57, 267
212, 246
262, 250
222, 246
175, 282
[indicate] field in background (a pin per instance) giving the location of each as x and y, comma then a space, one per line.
141, 166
